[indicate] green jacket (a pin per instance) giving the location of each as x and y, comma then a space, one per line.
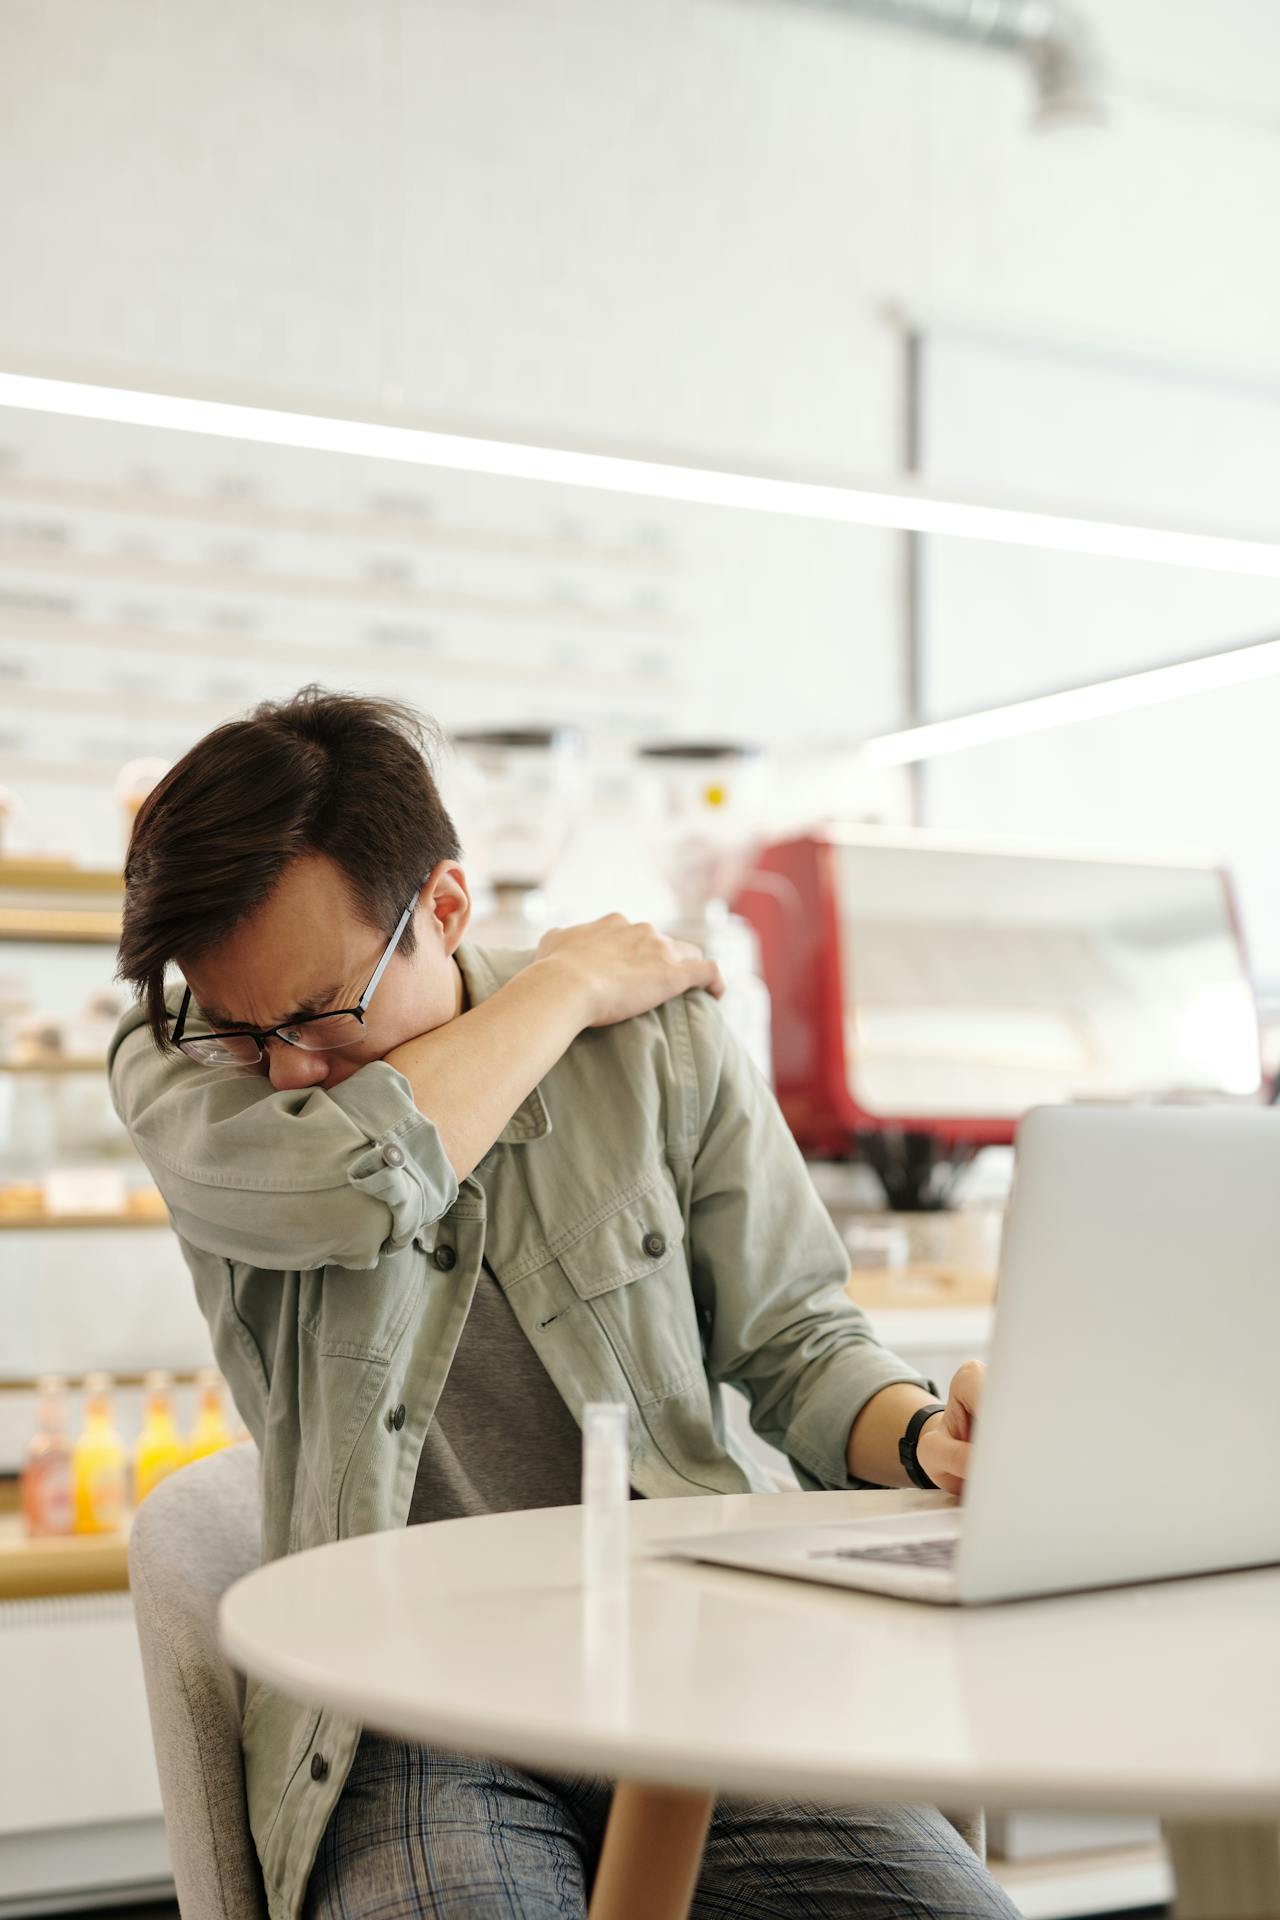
648, 1216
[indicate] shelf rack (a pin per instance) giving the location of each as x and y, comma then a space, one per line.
222, 644
252, 516
257, 583
181, 1377
63, 1063
56, 900
41, 1222
76, 1563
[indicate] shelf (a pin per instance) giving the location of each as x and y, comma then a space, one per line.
22, 1206
223, 645
376, 526
79, 1563
181, 1377
921, 1288
168, 576
1107, 1881
62, 926
67, 1064
55, 900
36, 1219
57, 876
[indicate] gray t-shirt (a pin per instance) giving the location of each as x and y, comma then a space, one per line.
502, 1437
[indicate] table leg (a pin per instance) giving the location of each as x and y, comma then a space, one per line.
1224, 1870
652, 1852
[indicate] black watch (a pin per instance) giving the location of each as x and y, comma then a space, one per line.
907, 1447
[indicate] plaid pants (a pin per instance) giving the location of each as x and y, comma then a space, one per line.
419, 1832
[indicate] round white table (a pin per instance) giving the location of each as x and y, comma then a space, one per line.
479, 1635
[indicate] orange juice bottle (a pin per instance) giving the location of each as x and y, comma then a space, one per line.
97, 1463
210, 1431
159, 1449
46, 1471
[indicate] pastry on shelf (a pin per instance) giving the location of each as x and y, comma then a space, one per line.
145, 1203
21, 1197
36, 1040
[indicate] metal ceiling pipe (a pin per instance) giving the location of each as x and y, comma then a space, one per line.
1054, 38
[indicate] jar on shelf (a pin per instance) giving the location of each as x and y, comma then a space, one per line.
47, 1508
98, 1462
159, 1450
211, 1431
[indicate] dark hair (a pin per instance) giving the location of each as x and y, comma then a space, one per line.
340, 774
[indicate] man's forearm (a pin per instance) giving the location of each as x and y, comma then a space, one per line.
469, 1075
873, 1440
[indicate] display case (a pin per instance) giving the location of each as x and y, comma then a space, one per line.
90, 1275
91, 1278
928, 990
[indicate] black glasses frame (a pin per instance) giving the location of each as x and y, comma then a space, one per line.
286, 1027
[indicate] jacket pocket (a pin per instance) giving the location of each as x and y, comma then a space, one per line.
361, 1315
629, 1269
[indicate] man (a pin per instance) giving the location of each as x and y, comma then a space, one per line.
434, 1200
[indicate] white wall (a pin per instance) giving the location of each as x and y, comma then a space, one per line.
668, 227
1130, 439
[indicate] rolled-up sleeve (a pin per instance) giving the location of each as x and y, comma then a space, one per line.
769, 1269
286, 1180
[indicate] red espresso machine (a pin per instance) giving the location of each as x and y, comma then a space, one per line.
928, 990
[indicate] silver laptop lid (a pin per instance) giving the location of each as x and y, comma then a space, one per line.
1131, 1421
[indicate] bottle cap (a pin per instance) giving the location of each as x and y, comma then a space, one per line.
157, 1380
97, 1383
51, 1383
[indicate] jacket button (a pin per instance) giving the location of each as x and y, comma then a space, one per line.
396, 1419
393, 1155
319, 1766
654, 1245
445, 1258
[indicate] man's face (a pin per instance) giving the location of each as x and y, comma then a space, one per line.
305, 949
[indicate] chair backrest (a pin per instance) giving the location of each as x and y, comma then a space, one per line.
195, 1534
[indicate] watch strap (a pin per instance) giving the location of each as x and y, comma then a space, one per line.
907, 1446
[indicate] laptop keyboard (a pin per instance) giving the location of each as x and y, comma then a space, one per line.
902, 1553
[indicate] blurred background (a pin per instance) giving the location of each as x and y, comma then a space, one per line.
1013, 253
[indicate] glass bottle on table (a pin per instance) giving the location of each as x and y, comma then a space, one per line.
98, 1462
211, 1432
46, 1471
160, 1448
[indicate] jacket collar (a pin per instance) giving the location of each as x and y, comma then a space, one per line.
530, 1121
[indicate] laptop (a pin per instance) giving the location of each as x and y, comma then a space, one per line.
1130, 1421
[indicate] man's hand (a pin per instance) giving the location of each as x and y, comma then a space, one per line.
622, 967
469, 1075
945, 1442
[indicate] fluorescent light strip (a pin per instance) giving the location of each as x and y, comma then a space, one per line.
894, 508
1234, 666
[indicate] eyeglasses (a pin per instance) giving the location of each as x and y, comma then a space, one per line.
244, 1046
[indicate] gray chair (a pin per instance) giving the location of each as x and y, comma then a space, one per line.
192, 1537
